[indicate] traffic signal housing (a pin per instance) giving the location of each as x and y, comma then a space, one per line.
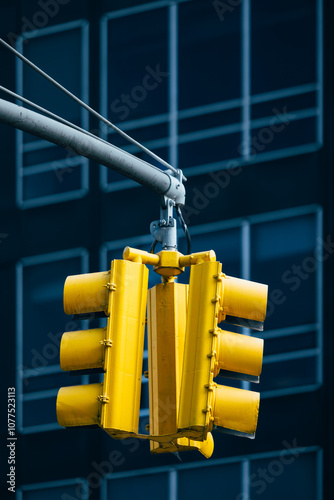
209, 351
117, 349
187, 350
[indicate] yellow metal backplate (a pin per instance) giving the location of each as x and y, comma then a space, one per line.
201, 343
124, 347
166, 311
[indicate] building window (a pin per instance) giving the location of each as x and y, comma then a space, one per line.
229, 475
203, 91
47, 173
54, 490
285, 252
239, 477
137, 487
40, 323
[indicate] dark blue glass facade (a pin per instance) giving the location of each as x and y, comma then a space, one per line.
237, 94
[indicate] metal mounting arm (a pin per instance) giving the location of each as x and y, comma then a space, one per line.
165, 183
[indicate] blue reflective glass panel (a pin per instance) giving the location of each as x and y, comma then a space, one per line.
44, 320
56, 492
209, 55
285, 476
138, 486
283, 44
138, 71
194, 483
65, 66
283, 257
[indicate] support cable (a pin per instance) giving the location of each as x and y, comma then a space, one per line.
85, 106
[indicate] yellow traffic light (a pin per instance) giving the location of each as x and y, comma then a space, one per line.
116, 349
187, 350
166, 325
213, 298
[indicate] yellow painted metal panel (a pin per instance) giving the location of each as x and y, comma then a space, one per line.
167, 306
79, 405
124, 350
82, 349
200, 343
166, 313
85, 293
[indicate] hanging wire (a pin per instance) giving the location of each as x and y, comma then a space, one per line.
154, 244
49, 113
184, 227
88, 108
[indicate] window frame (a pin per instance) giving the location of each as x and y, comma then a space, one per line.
244, 103
245, 476
21, 372
55, 484
21, 147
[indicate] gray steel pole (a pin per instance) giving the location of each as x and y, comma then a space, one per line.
84, 145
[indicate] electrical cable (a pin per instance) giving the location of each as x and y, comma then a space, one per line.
88, 108
185, 228
154, 244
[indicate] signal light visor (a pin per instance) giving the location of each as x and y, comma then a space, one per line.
243, 302
82, 349
239, 353
79, 405
86, 293
236, 410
